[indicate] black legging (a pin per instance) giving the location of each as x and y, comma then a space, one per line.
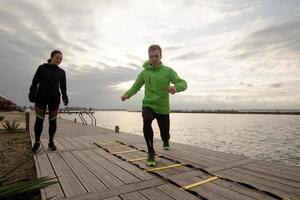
40, 109
163, 122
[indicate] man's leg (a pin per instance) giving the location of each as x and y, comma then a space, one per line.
163, 122
148, 116
40, 110
53, 110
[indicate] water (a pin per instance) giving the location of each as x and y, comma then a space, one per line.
265, 137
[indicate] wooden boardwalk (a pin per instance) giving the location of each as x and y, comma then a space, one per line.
96, 163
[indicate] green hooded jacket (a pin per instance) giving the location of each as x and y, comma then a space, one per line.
157, 82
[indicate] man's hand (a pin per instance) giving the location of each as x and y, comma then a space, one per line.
172, 89
124, 97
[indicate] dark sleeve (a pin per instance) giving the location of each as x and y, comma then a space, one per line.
63, 87
34, 85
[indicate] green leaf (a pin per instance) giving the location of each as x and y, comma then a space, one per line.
21, 187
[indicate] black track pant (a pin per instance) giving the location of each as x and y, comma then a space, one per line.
40, 111
163, 122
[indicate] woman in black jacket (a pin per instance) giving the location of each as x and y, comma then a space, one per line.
44, 91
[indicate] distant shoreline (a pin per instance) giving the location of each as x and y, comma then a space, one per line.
253, 111
240, 112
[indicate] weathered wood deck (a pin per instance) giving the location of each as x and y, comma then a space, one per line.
111, 170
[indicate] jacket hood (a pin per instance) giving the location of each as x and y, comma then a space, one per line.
147, 65
52, 65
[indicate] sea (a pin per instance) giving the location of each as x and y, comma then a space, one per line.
270, 137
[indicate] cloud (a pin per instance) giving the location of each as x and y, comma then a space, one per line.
276, 40
246, 84
276, 85
192, 55
230, 52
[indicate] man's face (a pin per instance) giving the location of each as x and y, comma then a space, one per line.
154, 57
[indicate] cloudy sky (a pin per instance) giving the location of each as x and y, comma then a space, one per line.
233, 53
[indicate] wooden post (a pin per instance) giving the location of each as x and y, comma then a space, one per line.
117, 129
27, 118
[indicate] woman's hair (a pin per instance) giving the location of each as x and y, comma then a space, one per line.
53, 53
154, 47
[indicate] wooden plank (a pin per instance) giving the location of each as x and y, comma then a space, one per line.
87, 179
189, 177
217, 155
101, 140
175, 193
47, 170
229, 165
123, 175
59, 145
265, 175
199, 183
45, 142
118, 148
131, 138
244, 190
265, 172
280, 167
162, 162
185, 175
185, 157
113, 198
236, 187
213, 187
261, 184
70, 184
207, 192
181, 169
282, 173
39, 174
195, 160
119, 190
164, 173
105, 176
133, 196
85, 142
65, 144
155, 194
74, 143
195, 154
125, 165
263, 180
123, 152
132, 155
166, 167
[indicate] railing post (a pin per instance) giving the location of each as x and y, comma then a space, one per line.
27, 118
117, 129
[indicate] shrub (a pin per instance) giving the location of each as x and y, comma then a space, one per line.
22, 188
11, 127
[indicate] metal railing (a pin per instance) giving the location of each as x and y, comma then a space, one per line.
89, 113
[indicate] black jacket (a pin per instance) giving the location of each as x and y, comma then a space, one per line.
46, 83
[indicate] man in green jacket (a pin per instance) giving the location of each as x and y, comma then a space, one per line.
157, 78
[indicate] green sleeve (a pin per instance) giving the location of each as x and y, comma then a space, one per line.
179, 83
139, 82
